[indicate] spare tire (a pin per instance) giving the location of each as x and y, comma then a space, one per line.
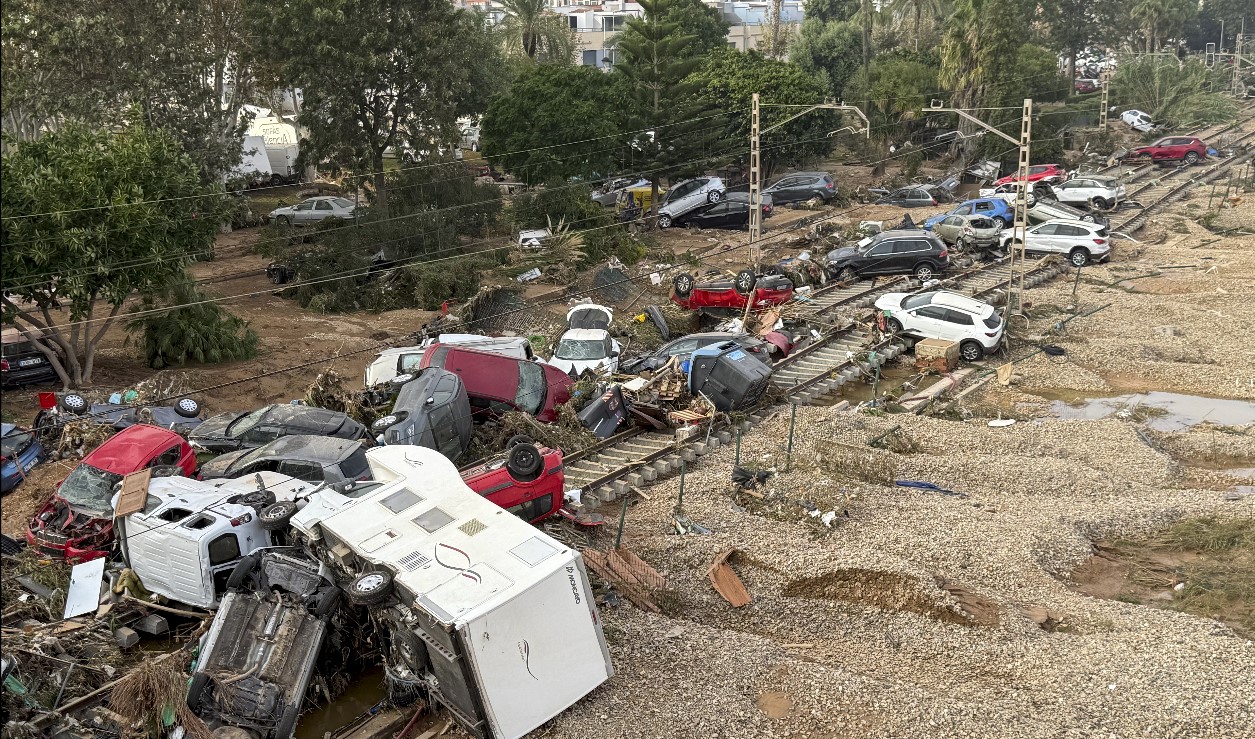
187, 408
258, 499
745, 281
518, 439
370, 588
683, 284
275, 517
525, 462
74, 403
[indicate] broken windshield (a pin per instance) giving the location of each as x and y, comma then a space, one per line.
89, 488
581, 349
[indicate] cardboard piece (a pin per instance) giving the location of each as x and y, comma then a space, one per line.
134, 493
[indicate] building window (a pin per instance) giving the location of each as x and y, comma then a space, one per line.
589, 58
575, 22
612, 23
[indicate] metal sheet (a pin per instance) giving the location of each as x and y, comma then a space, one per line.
84, 595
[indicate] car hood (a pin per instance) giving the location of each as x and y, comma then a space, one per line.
845, 252
218, 466
285, 210
933, 220
890, 301
576, 367
214, 428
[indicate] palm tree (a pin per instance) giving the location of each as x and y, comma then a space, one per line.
541, 35
898, 8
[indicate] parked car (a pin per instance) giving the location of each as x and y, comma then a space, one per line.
1049, 210
587, 345
20, 451
526, 481
496, 383
996, 209
257, 660
76, 522
1185, 149
730, 295
1085, 85
21, 363
728, 375
803, 186
941, 314
400, 360
431, 410
688, 195
341, 463
1100, 193
686, 345
182, 418
968, 232
315, 210
1138, 121
727, 214
917, 196
1080, 241
228, 432
608, 194
1010, 192
742, 196
891, 253
1038, 173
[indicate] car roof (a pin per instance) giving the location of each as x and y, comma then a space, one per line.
962, 302
899, 233
1073, 222
309, 448
119, 452
806, 174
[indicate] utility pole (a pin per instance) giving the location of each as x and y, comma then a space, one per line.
1102, 114
756, 183
1021, 194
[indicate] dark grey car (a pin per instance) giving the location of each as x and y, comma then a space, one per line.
803, 186
228, 432
431, 410
340, 463
686, 345
917, 196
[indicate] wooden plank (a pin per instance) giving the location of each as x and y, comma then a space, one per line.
725, 581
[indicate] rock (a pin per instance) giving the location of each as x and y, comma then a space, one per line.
1168, 331
1163, 595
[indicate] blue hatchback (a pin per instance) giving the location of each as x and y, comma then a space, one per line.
995, 208
22, 451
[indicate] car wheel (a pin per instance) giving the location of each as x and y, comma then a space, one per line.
893, 325
283, 221
370, 588
1191, 157
257, 500
74, 403
196, 690
518, 439
187, 408
1099, 204
664, 221
242, 571
327, 602
1031, 200
1079, 257
1089, 218
999, 222
275, 517
847, 274
715, 196
744, 282
525, 462
925, 272
683, 284
971, 351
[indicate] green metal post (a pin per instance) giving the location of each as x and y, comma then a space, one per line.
792, 420
738, 446
622, 518
684, 468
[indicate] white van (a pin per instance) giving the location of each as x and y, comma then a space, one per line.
402, 360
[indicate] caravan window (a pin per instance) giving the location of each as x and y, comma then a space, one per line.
225, 548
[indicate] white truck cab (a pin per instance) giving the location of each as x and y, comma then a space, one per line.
192, 533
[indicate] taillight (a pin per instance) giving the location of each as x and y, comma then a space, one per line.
828, 186
241, 520
934, 201
4, 365
944, 253
1100, 241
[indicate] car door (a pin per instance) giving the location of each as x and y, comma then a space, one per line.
1041, 238
303, 213
957, 324
323, 209
898, 197
736, 215
929, 321
787, 190
716, 216
879, 260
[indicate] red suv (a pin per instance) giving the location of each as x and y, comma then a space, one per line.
1037, 173
527, 482
1170, 149
496, 383
76, 523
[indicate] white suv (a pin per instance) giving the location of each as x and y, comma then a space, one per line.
1102, 193
688, 195
1081, 241
942, 314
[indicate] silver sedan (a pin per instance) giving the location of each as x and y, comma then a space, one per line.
314, 210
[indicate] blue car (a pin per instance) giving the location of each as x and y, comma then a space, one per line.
21, 452
995, 208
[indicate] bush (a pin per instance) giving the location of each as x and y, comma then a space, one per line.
469, 206
201, 333
574, 206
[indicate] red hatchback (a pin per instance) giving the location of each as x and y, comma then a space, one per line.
731, 295
1172, 149
76, 523
527, 482
1038, 173
496, 383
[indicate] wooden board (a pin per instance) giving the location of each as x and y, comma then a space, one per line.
726, 583
134, 493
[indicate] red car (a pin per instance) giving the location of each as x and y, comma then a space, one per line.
76, 523
496, 383
1038, 173
527, 482
1172, 148
732, 295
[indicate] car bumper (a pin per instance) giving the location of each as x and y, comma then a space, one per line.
29, 375
63, 550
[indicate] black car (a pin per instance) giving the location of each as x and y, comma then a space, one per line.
21, 363
341, 463
432, 410
917, 196
228, 432
726, 214
891, 253
803, 186
182, 417
686, 345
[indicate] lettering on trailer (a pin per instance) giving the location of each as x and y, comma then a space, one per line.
575, 587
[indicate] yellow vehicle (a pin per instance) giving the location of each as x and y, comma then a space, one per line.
642, 196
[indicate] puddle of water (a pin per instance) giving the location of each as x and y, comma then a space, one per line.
366, 690
1160, 411
859, 390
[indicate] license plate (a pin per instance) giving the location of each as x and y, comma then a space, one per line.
30, 362
29, 465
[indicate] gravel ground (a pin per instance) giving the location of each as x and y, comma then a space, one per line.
908, 617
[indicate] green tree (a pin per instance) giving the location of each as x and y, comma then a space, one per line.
192, 330
979, 37
899, 90
1161, 20
378, 75
829, 50
832, 10
918, 9
704, 23
451, 191
532, 29
91, 219
554, 123
1178, 94
732, 77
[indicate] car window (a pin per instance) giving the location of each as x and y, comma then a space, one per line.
304, 206
262, 435
15, 443
920, 195
881, 250
244, 423
963, 210
1049, 229
959, 317
170, 456
916, 301
901, 194
224, 549
445, 431
1065, 230
984, 206
905, 247
530, 395
685, 346
341, 202
719, 209
981, 223
407, 362
932, 311
302, 470
354, 466
323, 205
532, 509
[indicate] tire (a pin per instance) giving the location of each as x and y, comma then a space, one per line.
1089, 218
258, 499
1099, 204
74, 403
242, 571
525, 462
518, 439
664, 221
187, 408
744, 282
287, 724
847, 274
893, 325
999, 222
1078, 257
370, 588
1191, 157
284, 221
925, 272
327, 603
1031, 200
196, 690
715, 196
276, 516
683, 284
971, 351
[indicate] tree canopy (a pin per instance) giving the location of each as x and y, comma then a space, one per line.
829, 50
